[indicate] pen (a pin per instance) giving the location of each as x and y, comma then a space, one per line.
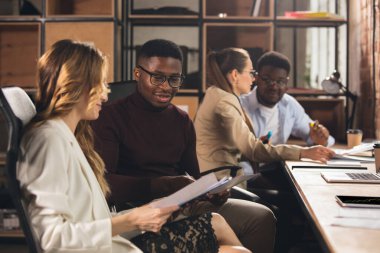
314, 124
265, 139
189, 176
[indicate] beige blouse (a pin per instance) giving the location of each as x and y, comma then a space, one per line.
223, 136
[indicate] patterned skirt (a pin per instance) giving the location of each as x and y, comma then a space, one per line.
191, 235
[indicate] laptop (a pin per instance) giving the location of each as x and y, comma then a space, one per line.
351, 177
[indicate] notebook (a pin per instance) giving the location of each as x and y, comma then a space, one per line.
351, 177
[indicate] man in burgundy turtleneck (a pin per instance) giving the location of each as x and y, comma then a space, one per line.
148, 144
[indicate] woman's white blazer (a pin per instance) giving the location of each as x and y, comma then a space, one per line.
67, 208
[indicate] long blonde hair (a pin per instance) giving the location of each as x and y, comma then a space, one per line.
65, 72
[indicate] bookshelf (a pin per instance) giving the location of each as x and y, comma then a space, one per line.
253, 37
24, 38
205, 25
81, 8
119, 27
13, 67
222, 23
239, 9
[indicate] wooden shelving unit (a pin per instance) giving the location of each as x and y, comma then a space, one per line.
25, 38
225, 23
100, 32
254, 37
12, 234
238, 9
19, 50
80, 8
310, 22
220, 23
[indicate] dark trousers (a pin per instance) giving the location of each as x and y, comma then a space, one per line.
253, 223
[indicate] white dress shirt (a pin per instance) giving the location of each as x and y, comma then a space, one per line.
292, 119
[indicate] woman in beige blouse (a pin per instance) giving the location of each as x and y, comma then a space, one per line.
224, 132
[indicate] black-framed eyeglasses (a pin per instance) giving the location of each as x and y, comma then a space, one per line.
158, 79
281, 82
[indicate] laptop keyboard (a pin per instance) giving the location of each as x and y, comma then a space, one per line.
362, 176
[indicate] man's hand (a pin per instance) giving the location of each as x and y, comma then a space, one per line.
318, 133
318, 153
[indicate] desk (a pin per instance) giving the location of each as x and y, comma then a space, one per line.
317, 198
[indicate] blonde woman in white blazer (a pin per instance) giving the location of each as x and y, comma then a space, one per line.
62, 177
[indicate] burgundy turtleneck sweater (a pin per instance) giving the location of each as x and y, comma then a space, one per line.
141, 145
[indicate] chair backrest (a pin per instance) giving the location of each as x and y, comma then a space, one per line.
16, 110
121, 90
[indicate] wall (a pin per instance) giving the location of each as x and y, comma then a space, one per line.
369, 119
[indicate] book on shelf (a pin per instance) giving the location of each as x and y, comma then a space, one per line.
204, 185
311, 14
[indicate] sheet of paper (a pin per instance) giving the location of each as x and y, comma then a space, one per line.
357, 149
362, 159
230, 183
189, 192
206, 184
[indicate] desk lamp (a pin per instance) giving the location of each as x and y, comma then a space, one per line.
333, 85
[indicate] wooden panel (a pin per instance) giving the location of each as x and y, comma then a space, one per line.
80, 7
188, 104
19, 51
231, 8
100, 33
239, 35
329, 112
12, 233
255, 38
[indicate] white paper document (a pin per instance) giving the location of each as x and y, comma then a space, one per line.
206, 184
189, 192
355, 150
230, 183
351, 154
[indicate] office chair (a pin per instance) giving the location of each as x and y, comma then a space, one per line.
16, 110
121, 90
